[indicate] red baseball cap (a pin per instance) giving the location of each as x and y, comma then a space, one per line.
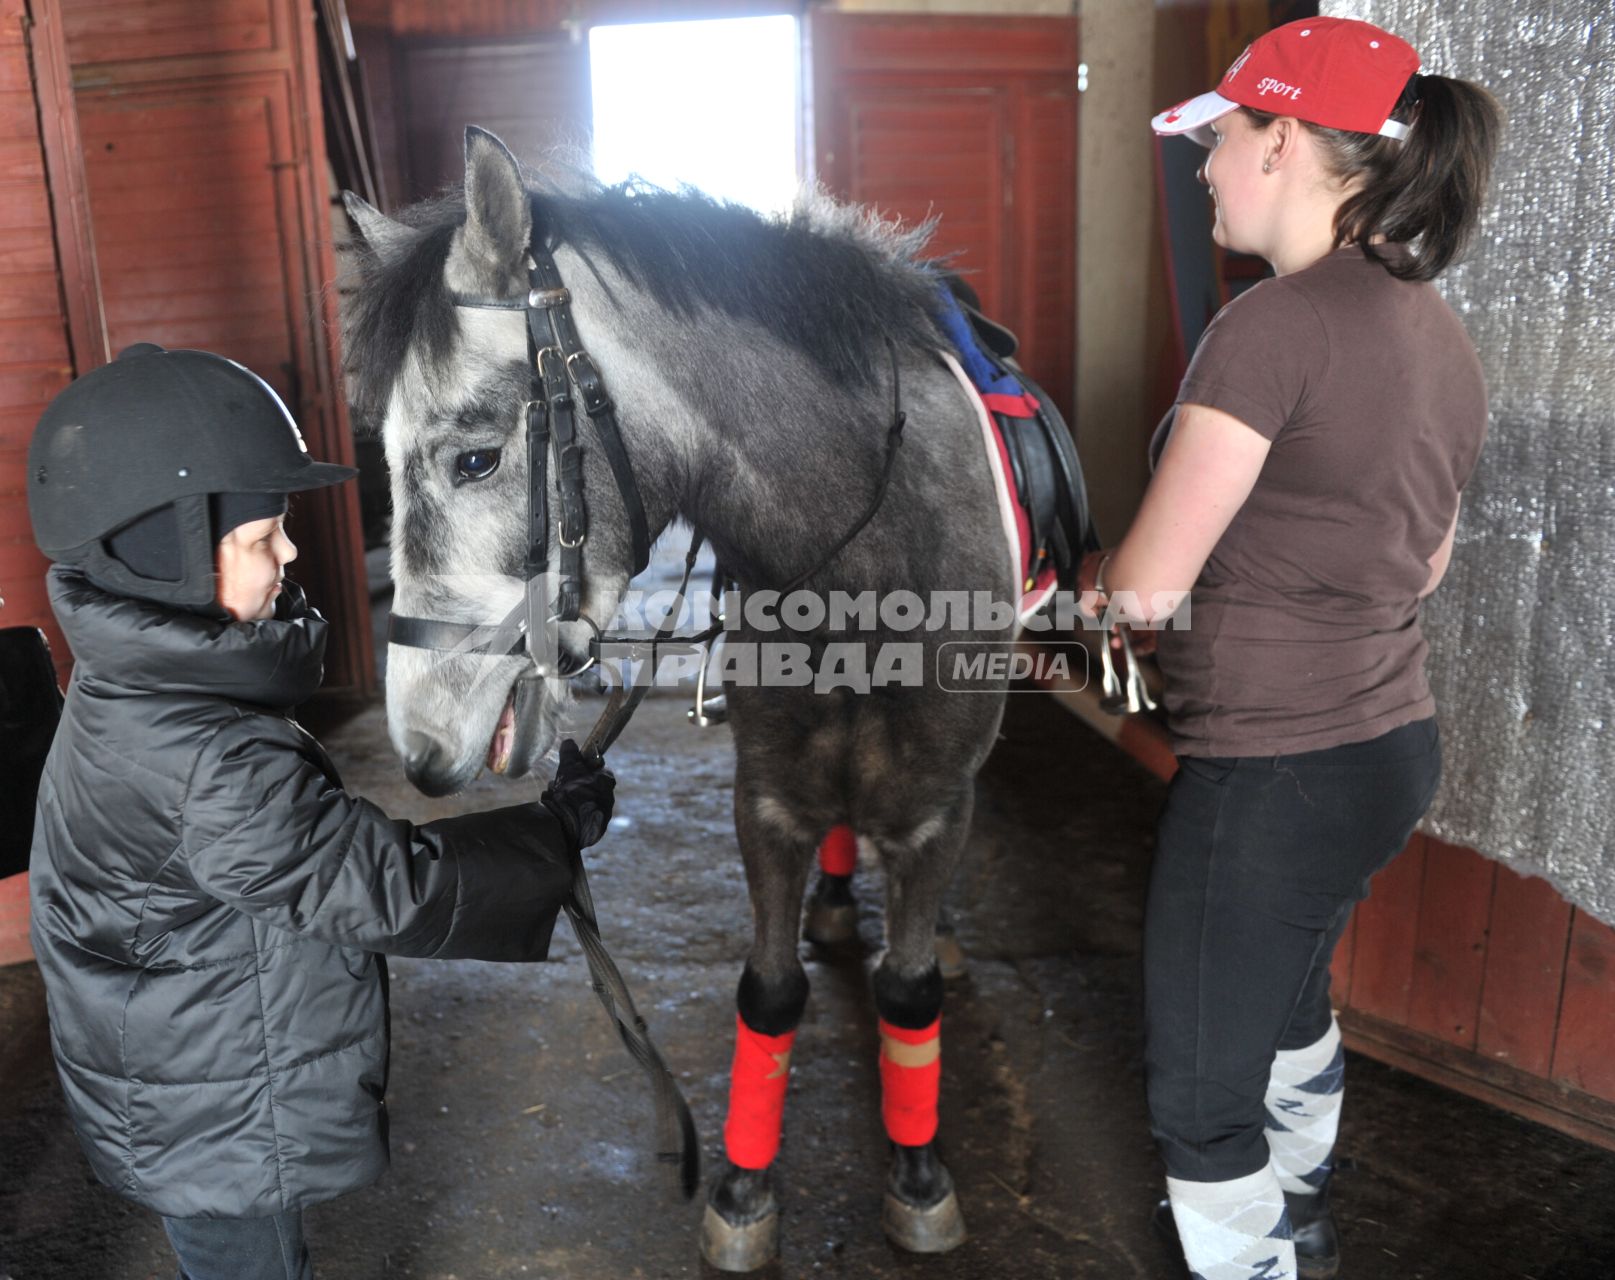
1334, 72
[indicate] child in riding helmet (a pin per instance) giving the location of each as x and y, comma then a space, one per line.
1306, 487
209, 907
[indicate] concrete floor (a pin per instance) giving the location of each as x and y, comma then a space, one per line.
521, 1129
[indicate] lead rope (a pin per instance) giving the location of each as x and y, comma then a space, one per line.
676, 1139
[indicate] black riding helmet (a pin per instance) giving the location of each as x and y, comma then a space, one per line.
154, 429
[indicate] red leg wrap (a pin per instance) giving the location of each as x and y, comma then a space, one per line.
838, 855
910, 1080
757, 1080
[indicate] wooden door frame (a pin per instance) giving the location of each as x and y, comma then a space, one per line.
69, 191
840, 44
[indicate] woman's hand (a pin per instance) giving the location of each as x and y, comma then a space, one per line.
1142, 640
1089, 593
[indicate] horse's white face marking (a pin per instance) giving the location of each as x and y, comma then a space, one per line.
458, 543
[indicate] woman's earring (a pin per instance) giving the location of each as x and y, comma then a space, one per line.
1267, 166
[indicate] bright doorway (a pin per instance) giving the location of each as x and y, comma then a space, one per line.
714, 104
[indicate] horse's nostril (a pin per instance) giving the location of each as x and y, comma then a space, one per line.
423, 763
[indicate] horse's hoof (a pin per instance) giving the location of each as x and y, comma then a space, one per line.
832, 913
831, 925
934, 1230
950, 957
746, 1246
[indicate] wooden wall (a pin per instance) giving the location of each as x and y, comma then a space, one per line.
973, 119
482, 18
1459, 969
163, 178
36, 360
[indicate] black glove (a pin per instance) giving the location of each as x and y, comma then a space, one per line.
581, 794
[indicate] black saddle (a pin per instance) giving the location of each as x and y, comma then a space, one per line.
1046, 471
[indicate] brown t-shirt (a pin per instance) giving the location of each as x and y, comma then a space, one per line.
1304, 623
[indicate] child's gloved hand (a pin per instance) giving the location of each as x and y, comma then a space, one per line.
581, 795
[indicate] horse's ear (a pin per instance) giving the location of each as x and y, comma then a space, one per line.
380, 232
498, 220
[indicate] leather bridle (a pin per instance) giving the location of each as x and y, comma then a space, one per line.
564, 375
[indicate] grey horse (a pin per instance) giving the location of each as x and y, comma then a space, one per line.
752, 362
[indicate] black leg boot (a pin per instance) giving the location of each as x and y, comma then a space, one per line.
1317, 1243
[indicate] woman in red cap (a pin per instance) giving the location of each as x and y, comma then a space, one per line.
1306, 488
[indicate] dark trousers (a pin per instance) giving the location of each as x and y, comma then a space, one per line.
240, 1248
1258, 863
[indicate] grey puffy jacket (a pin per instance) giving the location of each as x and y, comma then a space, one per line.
207, 901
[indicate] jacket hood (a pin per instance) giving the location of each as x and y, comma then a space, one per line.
133, 646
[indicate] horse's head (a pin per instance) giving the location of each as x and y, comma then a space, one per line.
448, 386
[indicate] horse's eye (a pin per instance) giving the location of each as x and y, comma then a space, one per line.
476, 464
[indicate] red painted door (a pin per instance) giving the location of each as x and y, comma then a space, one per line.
36, 357
204, 161
973, 121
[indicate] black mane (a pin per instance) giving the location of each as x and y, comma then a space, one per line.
827, 282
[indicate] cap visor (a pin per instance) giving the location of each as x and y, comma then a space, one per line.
1194, 117
315, 475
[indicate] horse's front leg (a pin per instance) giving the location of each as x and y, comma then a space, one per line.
921, 1211
740, 1230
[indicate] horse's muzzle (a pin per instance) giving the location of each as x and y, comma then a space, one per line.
427, 765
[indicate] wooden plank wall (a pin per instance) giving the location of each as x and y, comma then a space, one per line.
204, 157
532, 92
974, 119
1459, 969
36, 360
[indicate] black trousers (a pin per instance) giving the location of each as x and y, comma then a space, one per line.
1258, 863
240, 1248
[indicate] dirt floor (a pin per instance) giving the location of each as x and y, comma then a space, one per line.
521, 1130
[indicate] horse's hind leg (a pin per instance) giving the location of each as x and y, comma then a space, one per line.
740, 1230
832, 912
921, 1210
831, 920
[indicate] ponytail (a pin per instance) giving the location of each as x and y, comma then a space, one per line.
1425, 192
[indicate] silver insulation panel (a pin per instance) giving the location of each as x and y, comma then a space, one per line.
1520, 631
